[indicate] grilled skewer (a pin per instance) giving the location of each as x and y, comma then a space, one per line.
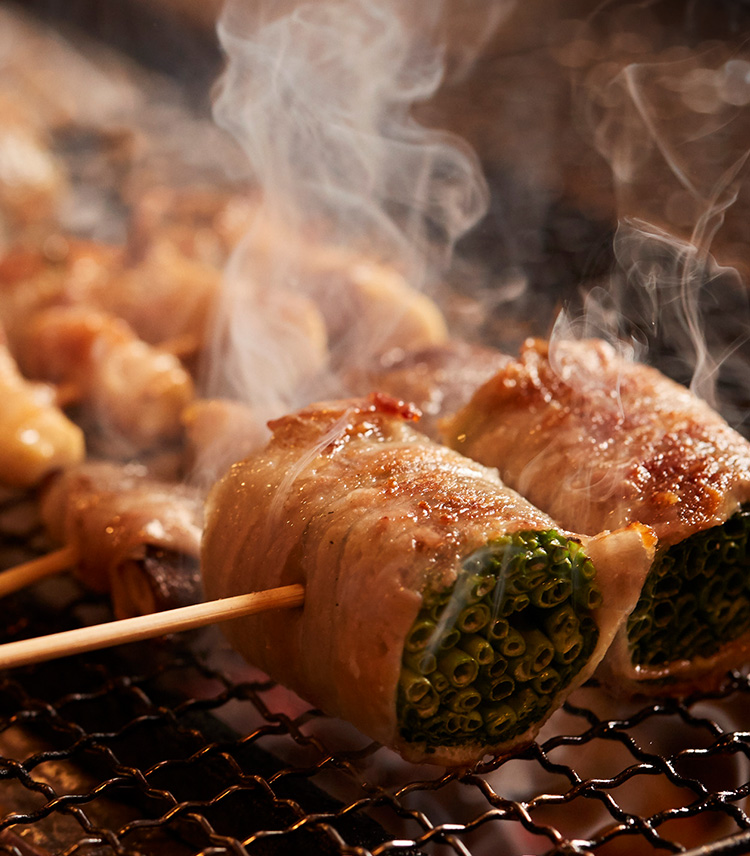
131, 392
445, 615
133, 536
599, 441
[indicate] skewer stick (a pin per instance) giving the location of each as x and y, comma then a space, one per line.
182, 345
67, 394
36, 569
56, 645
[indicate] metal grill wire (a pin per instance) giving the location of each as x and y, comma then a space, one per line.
177, 747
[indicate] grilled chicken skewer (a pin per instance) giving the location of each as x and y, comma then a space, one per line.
36, 436
598, 441
444, 615
131, 392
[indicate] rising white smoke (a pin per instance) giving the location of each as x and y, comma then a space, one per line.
359, 204
675, 130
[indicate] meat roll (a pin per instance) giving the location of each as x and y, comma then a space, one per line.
130, 392
36, 438
444, 615
439, 379
138, 538
599, 441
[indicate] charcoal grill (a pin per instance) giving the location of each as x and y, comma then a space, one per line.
175, 747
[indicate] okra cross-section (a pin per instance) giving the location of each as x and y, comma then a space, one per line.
486, 658
696, 597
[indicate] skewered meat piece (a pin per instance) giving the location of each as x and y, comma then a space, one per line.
369, 306
36, 438
166, 296
129, 390
61, 271
364, 300
137, 538
275, 354
444, 615
599, 441
439, 379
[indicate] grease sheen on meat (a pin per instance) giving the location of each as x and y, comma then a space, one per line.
352, 501
599, 441
138, 537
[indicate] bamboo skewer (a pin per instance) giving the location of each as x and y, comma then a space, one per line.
182, 345
37, 569
97, 636
67, 394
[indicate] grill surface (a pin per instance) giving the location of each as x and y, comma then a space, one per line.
177, 747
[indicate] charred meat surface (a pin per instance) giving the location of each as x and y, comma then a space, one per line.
393, 535
138, 537
599, 441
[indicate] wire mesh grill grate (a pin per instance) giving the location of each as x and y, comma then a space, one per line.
176, 747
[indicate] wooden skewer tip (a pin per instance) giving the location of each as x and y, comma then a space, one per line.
97, 636
36, 569
68, 393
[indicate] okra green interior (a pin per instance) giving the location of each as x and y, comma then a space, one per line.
696, 596
486, 657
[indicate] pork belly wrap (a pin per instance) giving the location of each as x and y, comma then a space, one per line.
599, 441
137, 537
444, 615
439, 379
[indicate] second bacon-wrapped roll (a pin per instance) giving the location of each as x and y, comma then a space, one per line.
599, 441
136, 538
444, 615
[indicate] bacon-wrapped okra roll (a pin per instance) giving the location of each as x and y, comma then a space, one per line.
444, 615
599, 441
137, 537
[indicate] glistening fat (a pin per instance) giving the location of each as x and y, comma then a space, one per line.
444, 616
